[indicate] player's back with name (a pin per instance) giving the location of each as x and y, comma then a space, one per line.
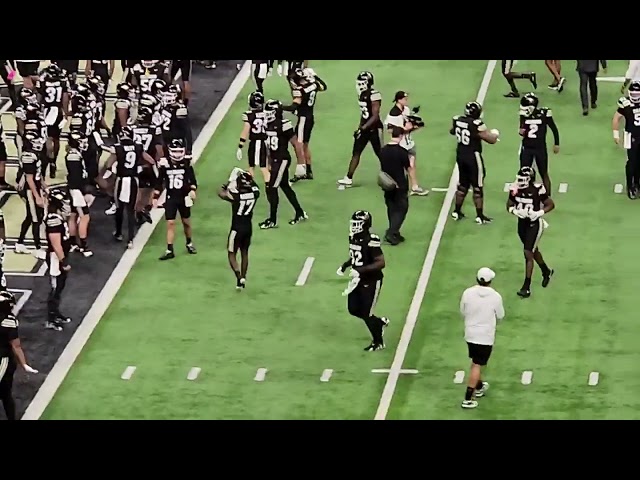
363, 251
531, 198
535, 129
128, 158
307, 95
242, 207
177, 178
256, 119
52, 91
631, 113
467, 130
279, 134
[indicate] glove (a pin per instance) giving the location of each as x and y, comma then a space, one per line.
519, 212
340, 271
535, 215
357, 134
354, 273
28, 369
239, 154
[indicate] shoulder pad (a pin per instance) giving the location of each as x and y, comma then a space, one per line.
54, 220
9, 322
624, 102
374, 240
375, 96
245, 116
297, 93
548, 112
456, 117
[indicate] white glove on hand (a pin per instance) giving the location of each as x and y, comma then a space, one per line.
239, 154
340, 271
535, 215
28, 369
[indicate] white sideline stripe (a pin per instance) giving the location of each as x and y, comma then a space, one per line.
193, 373
261, 374
618, 188
24, 298
594, 377
458, 377
563, 187
306, 270
436, 189
527, 377
326, 375
507, 187
128, 373
425, 274
402, 371
90, 322
5, 107
611, 79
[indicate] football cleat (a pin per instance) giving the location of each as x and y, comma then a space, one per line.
374, 347
191, 249
482, 391
457, 215
547, 278
267, 224
299, 218
53, 325
469, 404
524, 293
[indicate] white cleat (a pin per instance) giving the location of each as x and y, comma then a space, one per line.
40, 254
346, 181
21, 249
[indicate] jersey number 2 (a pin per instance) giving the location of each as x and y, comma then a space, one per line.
533, 131
356, 258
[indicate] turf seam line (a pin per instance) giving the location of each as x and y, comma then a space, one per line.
306, 270
425, 273
80, 337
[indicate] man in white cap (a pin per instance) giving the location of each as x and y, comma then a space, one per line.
481, 306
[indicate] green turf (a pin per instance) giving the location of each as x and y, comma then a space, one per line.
171, 317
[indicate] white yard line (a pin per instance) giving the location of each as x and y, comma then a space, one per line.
402, 371
438, 189
594, 378
128, 373
611, 79
304, 273
425, 274
458, 377
527, 377
261, 374
193, 373
91, 320
326, 375
563, 188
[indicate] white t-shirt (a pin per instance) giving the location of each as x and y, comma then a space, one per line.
481, 308
399, 121
633, 72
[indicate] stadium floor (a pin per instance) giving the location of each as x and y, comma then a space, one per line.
26, 275
169, 318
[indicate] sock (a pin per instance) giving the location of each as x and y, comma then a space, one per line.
479, 385
170, 247
272, 197
237, 274
479, 212
83, 243
545, 269
458, 207
375, 326
527, 284
309, 172
350, 176
72, 239
189, 240
468, 395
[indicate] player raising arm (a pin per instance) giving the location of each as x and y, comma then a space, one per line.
529, 202
629, 109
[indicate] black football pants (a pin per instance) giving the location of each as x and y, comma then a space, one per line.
280, 179
588, 79
7, 369
55, 294
397, 208
361, 303
632, 168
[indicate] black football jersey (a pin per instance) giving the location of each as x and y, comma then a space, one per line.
307, 95
83, 122
466, 131
121, 104
8, 333
365, 100
52, 92
149, 136
279, 135
535, 128
255, 118
146, 76
175, 120
631, 113
77, 177
177, 178
29, 164
36, 126
531, 198
242, 208
128, 158
363, 250
55, 223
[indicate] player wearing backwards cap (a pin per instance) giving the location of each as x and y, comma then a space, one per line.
482, 308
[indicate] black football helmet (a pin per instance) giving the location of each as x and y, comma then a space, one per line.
364, 81
145, 116
256, 101
244, 182
360, 223
53, 71
528, 104
78, 140
7, 303
126, 133
28, 96
473, 110
158, 87
176, 150
634, 91
273, 110
58, 201
525, 177
172, 94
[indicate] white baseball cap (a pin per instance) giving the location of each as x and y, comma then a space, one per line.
485, 274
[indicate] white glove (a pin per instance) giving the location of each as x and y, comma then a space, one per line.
27, 368
239, 154
340, 271
520, 213
535, 215
354, 273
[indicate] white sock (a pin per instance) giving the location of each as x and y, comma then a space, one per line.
301, 170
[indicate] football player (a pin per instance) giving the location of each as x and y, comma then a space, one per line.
629, 110
254, 129
529, 202
30, 189
127, 160
470, 131
178, 180
122, 106
260, 70
555, 68
510, 75
242, 192
175, 118
184, 68
80, 198
59, 241
534, 121
307, 85
146, 71
53, 89
84, 105
280, 133
367, 262
103, 69
370, 129
69, 69
292, 67
150, 136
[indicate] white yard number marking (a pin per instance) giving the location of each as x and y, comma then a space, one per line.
53, 94
636, 119
258, 126
364, 110
356, 258
463, 135
246, 206
533, 131
130, 159
175, 181
144, 139
312, 98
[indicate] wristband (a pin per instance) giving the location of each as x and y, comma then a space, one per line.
242, 141
616, 135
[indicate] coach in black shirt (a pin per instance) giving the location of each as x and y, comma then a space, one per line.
588, 73
394, 162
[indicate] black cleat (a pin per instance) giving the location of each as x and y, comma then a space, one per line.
457, 215
482, 219
547, 278
53, 325
118, 237
86, 252
241, 284
534, 80
267, 224
62, 319
524, 293
308, 176
297, 178
168, 255
512, 95
299, 218
392, 240
191, 249
374, 347
561, 84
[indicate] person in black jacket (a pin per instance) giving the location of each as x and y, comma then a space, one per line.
588, 72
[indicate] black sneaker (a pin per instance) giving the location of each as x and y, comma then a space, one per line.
374, 347
392, 240
547, 278
53, 325
191, 249
168, 255
267, 224
86, 252
52, 171
241, 283
308, 176
118, 237
524, 293
299, 218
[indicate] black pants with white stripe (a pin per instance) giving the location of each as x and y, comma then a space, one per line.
280, 179
362, 301
7, 369
55, 295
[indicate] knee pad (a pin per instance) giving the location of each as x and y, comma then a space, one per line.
478, 192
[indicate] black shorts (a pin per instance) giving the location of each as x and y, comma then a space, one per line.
539, 156
239, 239
530, 234
257, 152
471, 171
175, 205
373, 136
507, 66
364, 297
3, 151
148, 178
304, 128
279, 173
182, 66
28, 69
479, 354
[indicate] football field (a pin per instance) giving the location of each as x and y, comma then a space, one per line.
281, 351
